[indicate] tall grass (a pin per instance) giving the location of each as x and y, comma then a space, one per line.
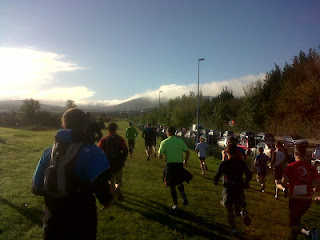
146, 212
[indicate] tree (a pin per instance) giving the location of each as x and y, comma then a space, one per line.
70, 104
28, 110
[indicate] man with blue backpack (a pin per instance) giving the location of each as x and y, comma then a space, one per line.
70, 175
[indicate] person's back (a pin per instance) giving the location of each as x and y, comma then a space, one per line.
262, 162
233, 171
116, 150
131, 133
73, 215
173, 149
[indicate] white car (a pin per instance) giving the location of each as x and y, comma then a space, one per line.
223, 142
268, 149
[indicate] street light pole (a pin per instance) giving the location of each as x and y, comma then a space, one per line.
198, 105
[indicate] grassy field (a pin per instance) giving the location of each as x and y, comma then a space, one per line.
146, 212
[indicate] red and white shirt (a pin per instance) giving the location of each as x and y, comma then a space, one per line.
301, 175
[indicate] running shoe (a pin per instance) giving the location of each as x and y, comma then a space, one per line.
184, 199
175, 207
246, 218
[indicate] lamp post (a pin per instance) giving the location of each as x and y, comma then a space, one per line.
198, 105
159, 107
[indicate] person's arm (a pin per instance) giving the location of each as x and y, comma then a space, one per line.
187, 157
219, 173
101, 189
273, 158
38, 177
101, 144
124, 149
247, 173
135, 133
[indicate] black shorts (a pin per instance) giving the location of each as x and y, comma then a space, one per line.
202, 159
297, 208
148, 144
175, 174
278, 172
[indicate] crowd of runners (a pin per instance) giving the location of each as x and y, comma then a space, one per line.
72, 172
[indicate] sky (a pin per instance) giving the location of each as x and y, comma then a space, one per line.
111, 51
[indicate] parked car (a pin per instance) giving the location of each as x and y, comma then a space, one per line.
223, 142
268, 149
315, 161
246, 134
228, 134
246, 145
190, 134
265, 137
292, 141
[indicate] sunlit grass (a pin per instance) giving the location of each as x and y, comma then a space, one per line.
146, 212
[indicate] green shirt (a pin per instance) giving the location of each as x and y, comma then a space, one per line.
131, 133
173, 148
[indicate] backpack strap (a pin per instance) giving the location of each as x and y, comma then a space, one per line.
60, 162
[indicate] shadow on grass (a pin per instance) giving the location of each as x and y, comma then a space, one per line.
32, 214
180, 221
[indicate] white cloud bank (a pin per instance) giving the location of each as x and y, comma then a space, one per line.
27, 73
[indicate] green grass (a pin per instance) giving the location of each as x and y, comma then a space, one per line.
146, 212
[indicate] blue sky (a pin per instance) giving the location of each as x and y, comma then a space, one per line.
111, 51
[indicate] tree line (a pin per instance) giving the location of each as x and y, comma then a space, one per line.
286, 101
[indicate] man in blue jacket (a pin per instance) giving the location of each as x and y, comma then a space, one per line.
74, 216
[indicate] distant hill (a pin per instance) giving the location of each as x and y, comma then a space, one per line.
9, 106
132, 105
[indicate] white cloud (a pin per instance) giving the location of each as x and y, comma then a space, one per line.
174, 90
207, 89
27, 73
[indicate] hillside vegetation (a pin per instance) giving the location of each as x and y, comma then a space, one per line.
286, 101
146, 212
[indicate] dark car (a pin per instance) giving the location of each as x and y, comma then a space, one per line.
292, 141
265, 137
246, 134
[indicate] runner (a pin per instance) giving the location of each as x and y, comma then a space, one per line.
300, 175
149, 134
260, 163
73, 216
240, 152
131, 134
201, 149
278, 158
233, 186
116, 150
174, 173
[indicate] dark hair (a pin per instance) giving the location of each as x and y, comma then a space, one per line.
300, 150
171, 130
233, 140
232, 148
76, 120
130, 124
112, 127
279, 144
